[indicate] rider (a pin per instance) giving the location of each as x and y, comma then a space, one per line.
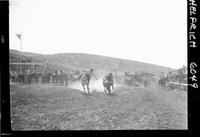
89, 74
109, 77
85, 78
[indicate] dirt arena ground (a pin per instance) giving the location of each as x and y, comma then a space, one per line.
51, 107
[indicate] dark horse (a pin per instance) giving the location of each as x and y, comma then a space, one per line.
108, 82
163, 82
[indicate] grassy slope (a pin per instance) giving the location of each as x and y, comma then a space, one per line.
48, 107
85, 61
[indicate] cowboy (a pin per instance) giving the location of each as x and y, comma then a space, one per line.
109, 77
88, 74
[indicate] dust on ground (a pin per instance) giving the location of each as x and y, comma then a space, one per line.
95, 85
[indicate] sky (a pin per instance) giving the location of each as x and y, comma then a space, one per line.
151, 31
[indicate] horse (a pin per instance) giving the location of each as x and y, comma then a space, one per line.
85, 79
54, 77
62, 78
21, 77
108, 82
13, 76
85, 82
163, 81
34, 77
107, 86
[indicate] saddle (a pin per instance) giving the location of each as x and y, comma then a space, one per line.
85, 77
108, 80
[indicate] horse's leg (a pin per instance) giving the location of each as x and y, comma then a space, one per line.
112, 88
107, 88
88, 89
83, 88
104, 88
54, 80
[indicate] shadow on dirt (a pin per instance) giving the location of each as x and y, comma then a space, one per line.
111, 94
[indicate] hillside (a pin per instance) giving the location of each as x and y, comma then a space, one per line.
86, 61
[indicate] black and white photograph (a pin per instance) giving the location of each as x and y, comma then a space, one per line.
98, 65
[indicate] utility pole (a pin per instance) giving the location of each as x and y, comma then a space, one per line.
19, 36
